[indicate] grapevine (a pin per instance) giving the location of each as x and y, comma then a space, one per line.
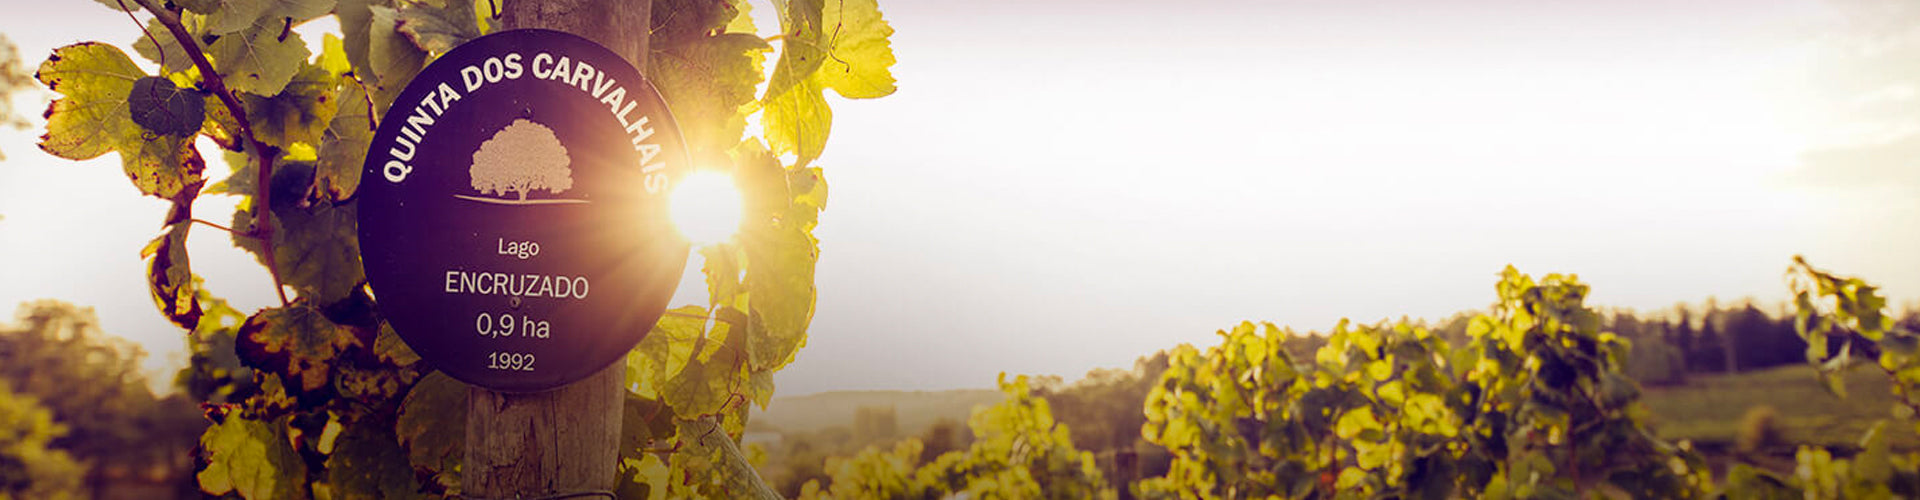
317, 396
1533, 405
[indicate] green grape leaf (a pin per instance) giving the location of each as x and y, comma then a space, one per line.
296, 341
240, 182
316, 249
374, 385
796, 118
169, 276
1356, 421
859, 59
666, 349
167, 52
252, 458
300, 113
199, 6
1392, 393
93, 117
1378, 370
781, 285
485, 11
801, 47
215, 374
843, 46
642, 477
344, 146
333, 55
723, 334
781, 253
237, 15
367, 463
223, 128
643, 422
432, 427
798, 121
707, 80
389, 346
260, 59
631, 484
271, 397
164, 166
809, 188
706, 384
760, 387
162, 108
742, 18
392, 59
438, 30
721, 266
356, 21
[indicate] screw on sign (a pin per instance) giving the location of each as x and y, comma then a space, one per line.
514, 224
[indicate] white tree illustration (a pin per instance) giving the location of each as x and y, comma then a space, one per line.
520, 158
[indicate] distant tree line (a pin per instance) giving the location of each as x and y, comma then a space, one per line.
79, 420
801, 456
1102, 412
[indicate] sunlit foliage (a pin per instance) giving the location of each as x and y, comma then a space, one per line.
1534, 404
317, 396
29, 466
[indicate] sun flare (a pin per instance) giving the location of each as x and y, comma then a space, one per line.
706, 208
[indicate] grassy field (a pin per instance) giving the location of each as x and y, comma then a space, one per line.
1710, 408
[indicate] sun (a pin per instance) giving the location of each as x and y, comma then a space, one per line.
706, 208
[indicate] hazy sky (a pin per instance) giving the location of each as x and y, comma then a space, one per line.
1069, 185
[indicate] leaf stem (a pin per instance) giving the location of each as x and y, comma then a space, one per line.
705, 436
662, 450
144, 31
220, 227
701, 316
263, 220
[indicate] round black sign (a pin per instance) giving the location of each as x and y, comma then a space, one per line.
513, 210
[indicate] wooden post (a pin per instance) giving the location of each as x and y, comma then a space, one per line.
565, 440
533, 445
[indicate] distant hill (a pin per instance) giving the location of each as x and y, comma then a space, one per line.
915, 410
